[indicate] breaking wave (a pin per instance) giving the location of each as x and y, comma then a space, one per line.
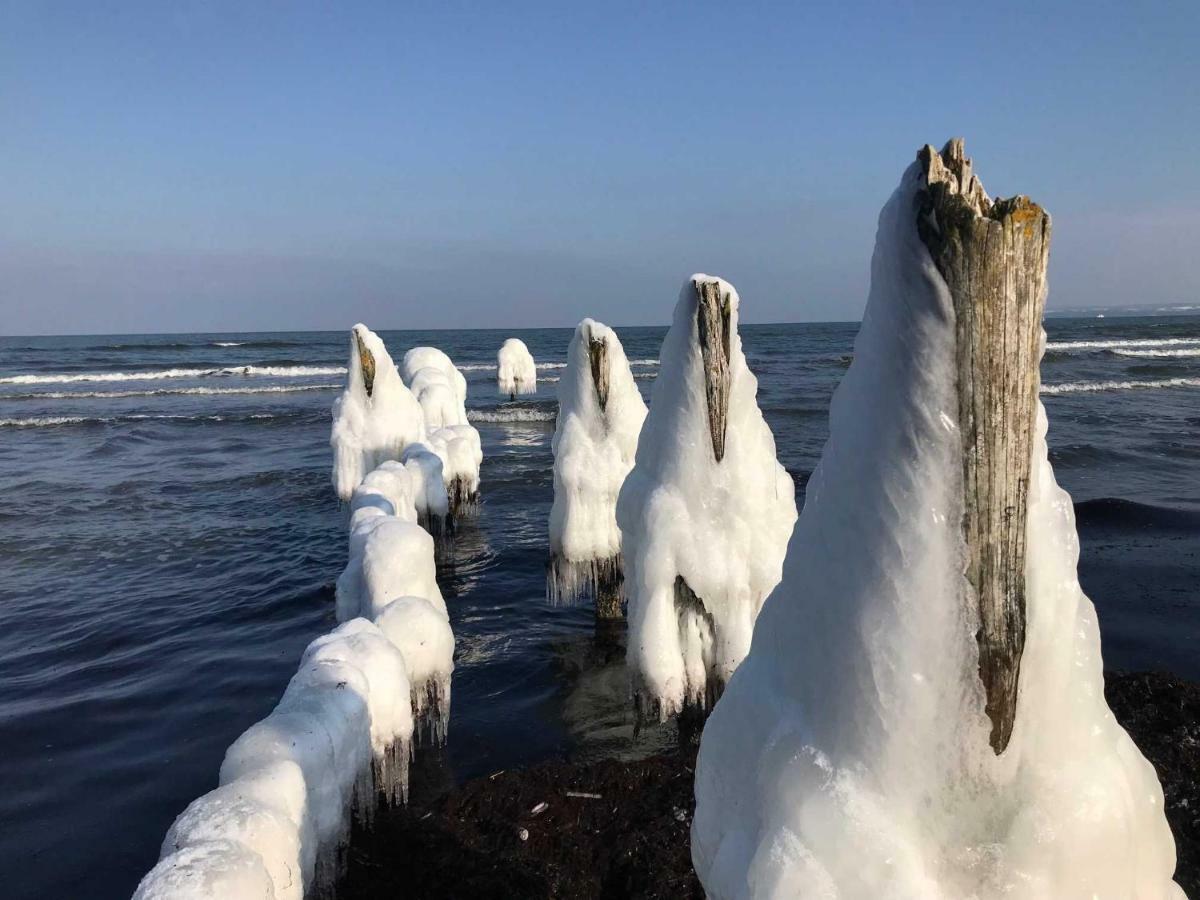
261, 371
57, 421
169, 392
1122, 344
512, 415
1159, 354
1086, 387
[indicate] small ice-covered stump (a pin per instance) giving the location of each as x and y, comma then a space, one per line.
705, 513
516, 372
441, 390
375, 417
600, 415
922, 713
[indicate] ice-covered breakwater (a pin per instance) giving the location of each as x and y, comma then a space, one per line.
706, 512
417, 419
600, 414
922, 714
516, 372
340, 739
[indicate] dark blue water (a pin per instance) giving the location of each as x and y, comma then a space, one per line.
169, 542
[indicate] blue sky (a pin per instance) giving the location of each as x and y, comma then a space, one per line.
177, 166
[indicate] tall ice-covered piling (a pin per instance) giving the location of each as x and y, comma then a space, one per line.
992, 255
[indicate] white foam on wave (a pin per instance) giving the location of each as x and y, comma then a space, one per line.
228, 343
1159, 354
53, 421
1115, 344
170, 392
491, 367
512, 415
1086, 387
260, 371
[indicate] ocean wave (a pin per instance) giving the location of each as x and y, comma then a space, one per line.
1121, 513
55, 421
229, 343
1121, 344
1086, 387
1159, 354
491, 367
170, 392
156, 375
643, 362
512, 415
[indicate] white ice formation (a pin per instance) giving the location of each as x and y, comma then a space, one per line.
276, 824
850, 757
391, 564
441, 390
705, 514
600, 415
515, 369
341, 737
375, 417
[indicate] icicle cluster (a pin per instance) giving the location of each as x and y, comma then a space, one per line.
516, 372
850, 757
600, 415
441, 390
706, 512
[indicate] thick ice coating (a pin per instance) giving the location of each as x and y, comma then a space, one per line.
706, 512
441, 390
421, 631
389, 558
375, 417
341, 734
600, 415
851, 755
515, 369
208, 870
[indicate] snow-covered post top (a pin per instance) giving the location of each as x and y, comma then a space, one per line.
516, 372
706, 512
865, 747
375, 417
600, 414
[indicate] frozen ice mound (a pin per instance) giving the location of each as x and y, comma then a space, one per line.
850, 755
600, 414
705, 514
516, 372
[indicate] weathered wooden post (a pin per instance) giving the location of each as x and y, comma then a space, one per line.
367, 363
992, 255
712, 328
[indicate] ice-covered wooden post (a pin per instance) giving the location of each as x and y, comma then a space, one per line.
600, 414
992, 255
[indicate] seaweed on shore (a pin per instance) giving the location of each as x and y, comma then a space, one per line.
617, 829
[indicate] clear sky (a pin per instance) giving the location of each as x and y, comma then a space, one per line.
252, 165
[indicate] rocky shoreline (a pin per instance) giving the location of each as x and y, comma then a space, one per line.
619, 829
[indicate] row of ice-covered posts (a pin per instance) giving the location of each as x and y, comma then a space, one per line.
367, 694
921, 714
